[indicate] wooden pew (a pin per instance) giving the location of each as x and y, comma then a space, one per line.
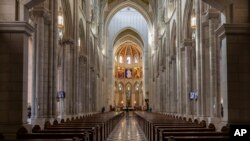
149, 122
107, 121
96, 127
158, 130
158, 127
90, 132
167, 135
1, 137
23, 134
198, 138
223, 135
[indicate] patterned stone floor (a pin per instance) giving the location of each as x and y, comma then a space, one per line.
127, 130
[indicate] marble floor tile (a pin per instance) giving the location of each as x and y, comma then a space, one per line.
127, 130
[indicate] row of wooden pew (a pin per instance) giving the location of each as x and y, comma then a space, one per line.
159, 127
1, 137
93, 128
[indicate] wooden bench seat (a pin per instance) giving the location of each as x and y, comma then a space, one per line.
1, 136
74, 139
99, 126
165, 135
81, 136
93, 133
158, 127
91, 128
194, 133
197, 138
107, 121
159, 131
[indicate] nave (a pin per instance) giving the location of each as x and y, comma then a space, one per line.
126, 126
127, 130
64, 61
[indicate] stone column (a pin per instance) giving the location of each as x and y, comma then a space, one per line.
173, 85
85, 86
158, 96
187, 45
213, 23
198, 55
163, 90
208, 63
167, 85
53, 41
81, 86
44, 94
67, 70
91, 90
97, 92
182, 94
178, 56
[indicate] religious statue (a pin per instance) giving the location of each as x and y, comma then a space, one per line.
120, 73
128, 73
137, 72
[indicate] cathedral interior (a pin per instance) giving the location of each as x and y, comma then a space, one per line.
64, 59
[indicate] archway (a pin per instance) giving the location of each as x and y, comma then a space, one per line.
128, 72
131, 40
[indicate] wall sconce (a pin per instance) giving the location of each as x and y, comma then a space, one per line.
134, 102
122, 102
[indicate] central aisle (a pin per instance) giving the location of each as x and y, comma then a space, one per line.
127, 130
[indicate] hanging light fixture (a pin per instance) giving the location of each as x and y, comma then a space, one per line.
193, 24
60, 23
193, 21
79, 42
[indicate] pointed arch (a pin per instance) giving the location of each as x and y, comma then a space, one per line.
128, 31
122, 87
186, 19
68, 32
135, 85
129, 84
173, 40
83, 50
131, 4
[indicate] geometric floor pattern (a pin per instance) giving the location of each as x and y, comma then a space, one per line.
127, 130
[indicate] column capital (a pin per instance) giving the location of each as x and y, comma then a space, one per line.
66, 41
162, 68
186, 43
92, 69
210, 14
83, 59
42, 12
